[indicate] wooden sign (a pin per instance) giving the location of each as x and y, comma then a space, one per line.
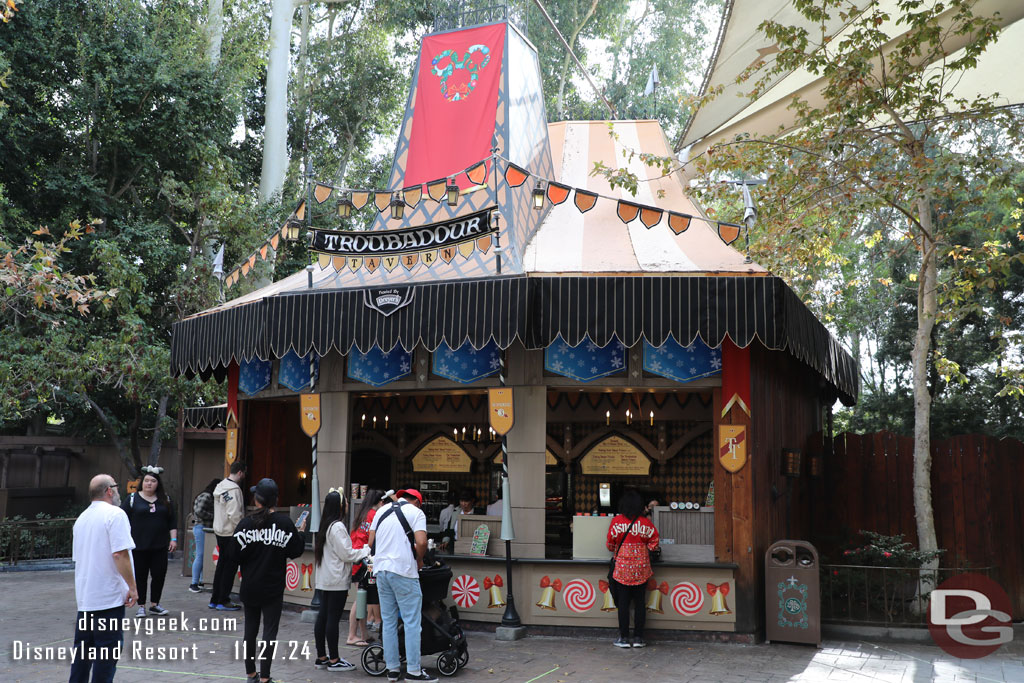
616, 456
732, 446
441, 455
499, 410
309, 406
231, 445
480, 538
549, 458
132, 486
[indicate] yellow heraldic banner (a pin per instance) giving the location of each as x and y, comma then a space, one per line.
732, 446
499, 410
309, 405
231, 445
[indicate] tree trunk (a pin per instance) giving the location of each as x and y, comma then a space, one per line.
127, 457
154, 445
214, 30
927, 306
560, 99
275, 131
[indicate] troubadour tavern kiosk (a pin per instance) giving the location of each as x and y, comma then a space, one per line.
639, 349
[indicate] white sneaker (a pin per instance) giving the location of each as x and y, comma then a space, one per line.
140, 613
159, 610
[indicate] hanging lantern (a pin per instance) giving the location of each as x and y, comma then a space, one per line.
790, 462
397, 207
292, 230
815, 465
453, 192
345, 206
538, 197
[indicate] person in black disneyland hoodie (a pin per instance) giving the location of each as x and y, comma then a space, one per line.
265, 540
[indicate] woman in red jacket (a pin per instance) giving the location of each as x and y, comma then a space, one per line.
631, 537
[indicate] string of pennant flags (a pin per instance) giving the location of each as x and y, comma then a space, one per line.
446, 190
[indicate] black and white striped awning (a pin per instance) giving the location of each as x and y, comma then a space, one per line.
533, 310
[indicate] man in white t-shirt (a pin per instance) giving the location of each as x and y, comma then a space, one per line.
398, 551
104, 582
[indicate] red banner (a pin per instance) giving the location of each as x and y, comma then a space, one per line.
232, 415
735, 377
456, 103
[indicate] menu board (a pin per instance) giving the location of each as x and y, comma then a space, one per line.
441, 455
616, 456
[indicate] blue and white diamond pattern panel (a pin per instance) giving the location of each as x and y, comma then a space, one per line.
254, 376
377, 367
682, 363
586, 361
293, 371
466, 364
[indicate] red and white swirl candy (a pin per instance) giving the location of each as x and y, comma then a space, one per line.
292, 576
465, 591
687, 598
579, 595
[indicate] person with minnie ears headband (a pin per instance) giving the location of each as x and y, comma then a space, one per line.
154, 530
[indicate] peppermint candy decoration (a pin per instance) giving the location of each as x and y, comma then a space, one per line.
465, 591
579, 595
292, 576
687, 599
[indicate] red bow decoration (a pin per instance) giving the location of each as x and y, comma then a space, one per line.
307, 568
487, 583
664, 588
557, 585
603, 585
497, 581
545, 582
712, 588
652, 584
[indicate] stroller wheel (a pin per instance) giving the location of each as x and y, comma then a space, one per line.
463, 657
372, 660
447, 664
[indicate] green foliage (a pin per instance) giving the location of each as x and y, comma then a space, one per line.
878, 550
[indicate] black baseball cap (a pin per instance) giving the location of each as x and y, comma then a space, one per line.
266, 491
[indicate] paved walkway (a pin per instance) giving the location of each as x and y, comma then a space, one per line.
39, 607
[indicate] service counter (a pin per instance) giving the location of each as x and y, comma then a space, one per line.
688, 596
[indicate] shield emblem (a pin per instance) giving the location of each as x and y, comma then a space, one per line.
499, 410
309, 405
732, 447
231, 445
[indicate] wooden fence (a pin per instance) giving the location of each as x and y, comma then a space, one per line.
977, 498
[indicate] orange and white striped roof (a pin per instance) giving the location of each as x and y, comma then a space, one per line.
570, 242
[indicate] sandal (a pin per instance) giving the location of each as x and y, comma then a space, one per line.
359, 643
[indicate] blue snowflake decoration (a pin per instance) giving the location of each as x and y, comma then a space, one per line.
466, 364
682, 363
293, 371
254, 376
586, 361
377, 367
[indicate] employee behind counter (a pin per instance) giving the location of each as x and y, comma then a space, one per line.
449, 518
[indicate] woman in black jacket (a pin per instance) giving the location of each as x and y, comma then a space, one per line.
154, 530
265, 541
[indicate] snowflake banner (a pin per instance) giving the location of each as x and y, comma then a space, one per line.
682, 363
466, 364
293, 371
377, 367
254, 376
586, 361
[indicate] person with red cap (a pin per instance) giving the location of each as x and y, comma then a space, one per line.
398, 541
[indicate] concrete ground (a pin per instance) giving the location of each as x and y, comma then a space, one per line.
39, 608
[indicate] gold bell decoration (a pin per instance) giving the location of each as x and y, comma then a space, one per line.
547, 595
609, 601
658, 594
494, 586
307, 574
718, 603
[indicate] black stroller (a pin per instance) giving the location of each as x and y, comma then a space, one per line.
440, 632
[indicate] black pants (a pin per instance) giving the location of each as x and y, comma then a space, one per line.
150, 563
95, 645
266, 648
224, 575
332, 604
623, 596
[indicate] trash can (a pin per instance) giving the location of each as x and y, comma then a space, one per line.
792, 593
